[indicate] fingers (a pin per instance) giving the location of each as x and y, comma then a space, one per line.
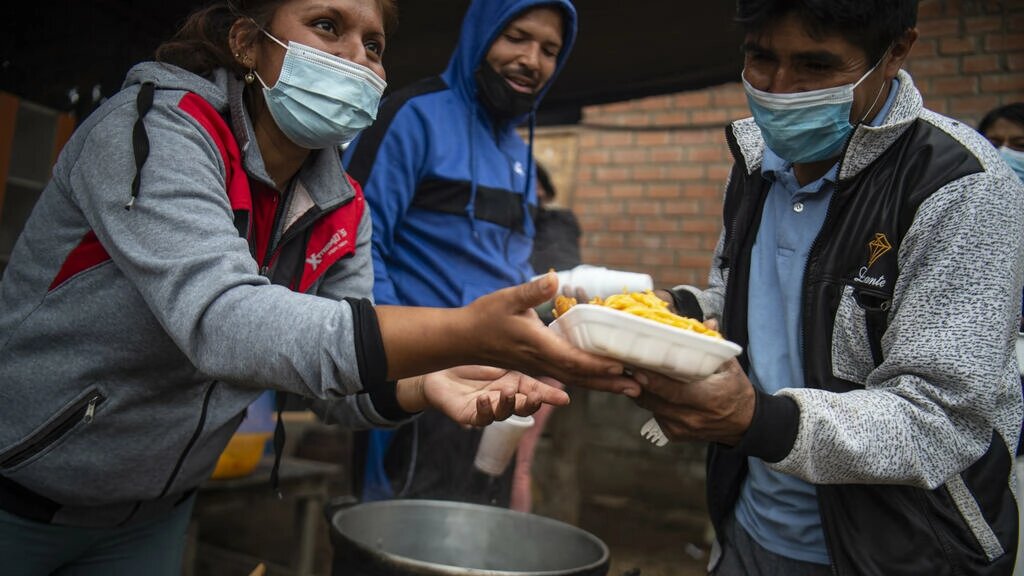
506, 406
537, 292
661, 386
484, 411
613, 384
566, 362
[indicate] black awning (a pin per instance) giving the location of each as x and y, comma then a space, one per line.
626, 48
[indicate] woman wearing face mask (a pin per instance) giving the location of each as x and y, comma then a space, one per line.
199, 242
1004, 128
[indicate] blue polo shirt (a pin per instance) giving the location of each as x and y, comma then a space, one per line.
779, 511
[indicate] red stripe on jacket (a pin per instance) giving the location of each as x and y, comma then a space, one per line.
88, 254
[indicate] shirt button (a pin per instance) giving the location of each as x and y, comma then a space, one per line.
798, 207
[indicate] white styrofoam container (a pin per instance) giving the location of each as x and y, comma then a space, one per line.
643, 343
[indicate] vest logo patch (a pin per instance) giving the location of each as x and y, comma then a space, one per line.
336, 242
879, 247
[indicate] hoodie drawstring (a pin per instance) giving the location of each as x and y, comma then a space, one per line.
140, 140
471, 206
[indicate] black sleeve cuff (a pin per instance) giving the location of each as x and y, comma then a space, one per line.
372, 360
773, 429
686, 303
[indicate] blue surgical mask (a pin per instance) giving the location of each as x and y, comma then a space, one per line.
1015, 158
320, 100
803, 127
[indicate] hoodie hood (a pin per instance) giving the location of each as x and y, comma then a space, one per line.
484, 20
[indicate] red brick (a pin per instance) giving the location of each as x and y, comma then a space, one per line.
964, 106
688, 137
644, 241
734, 97
940, 105
660, 225
1004, 42
696, 262
602, 208
616, 138
924, 48
679, 206
719, 173
643, 207
655, 103
927, 9
683, 242
711, 116
663, 119
939, 66
594, 157
647, 173
653, 138
695, 99
1002, 83
707, 154
1015, 62
589, 139
620, 225
626, 191
657, 258
953, 86
958, 45
662, 191
629, 156
590, 191
667, 155
939, 27
686, 172
979, 63
702, 190
983, 24
602, 240
616, 174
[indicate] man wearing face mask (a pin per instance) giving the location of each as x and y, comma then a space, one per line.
451, 187
866, 269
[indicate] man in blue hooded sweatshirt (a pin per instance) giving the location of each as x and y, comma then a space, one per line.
450, 184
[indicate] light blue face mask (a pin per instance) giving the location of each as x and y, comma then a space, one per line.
320, 100
1015, 158
803, 127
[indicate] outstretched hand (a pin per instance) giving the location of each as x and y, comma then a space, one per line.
479, 395
508, 331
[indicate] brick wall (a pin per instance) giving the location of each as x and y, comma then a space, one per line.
649, 172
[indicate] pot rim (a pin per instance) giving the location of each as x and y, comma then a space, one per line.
445, 569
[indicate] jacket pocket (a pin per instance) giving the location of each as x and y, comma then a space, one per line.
82, 410
852, 354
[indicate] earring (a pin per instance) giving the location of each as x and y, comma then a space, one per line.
250, 76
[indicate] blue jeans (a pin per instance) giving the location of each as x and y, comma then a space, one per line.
154, 548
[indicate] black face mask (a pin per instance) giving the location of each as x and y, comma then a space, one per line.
498, 97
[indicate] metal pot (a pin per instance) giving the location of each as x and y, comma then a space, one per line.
438, 538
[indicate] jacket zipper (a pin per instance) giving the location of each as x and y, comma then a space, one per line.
803, 328
83, 411
191, 441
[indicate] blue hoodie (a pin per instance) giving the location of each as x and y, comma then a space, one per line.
451, 191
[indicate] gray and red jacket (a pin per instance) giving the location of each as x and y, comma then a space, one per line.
132, 340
